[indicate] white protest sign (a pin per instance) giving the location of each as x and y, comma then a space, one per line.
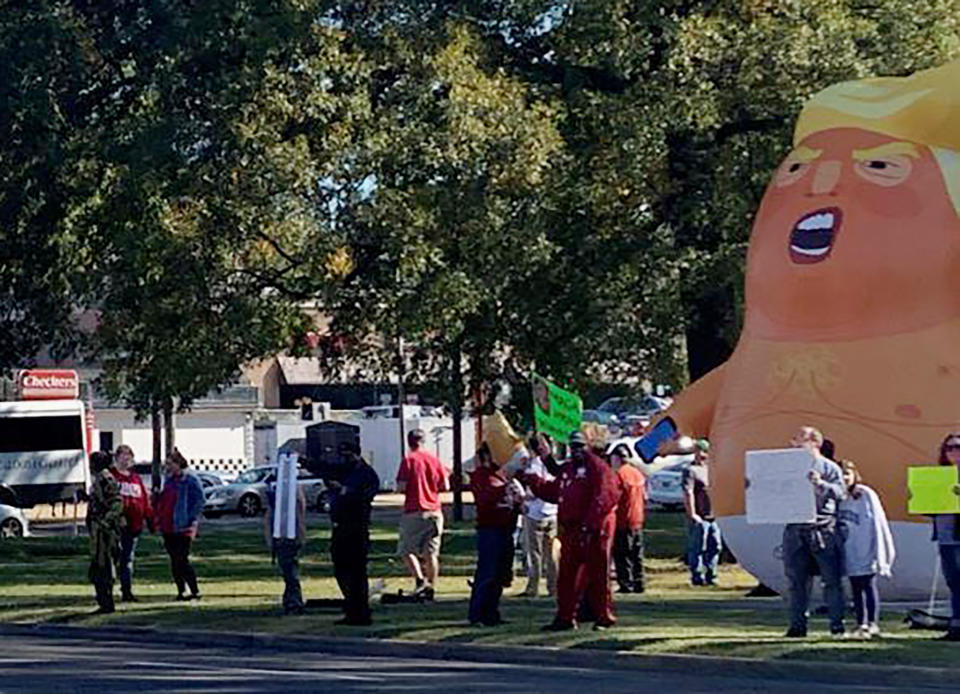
778, 489
285, 508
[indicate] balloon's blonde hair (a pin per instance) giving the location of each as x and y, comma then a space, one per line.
923, 108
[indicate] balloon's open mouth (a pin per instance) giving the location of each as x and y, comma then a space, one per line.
812, 238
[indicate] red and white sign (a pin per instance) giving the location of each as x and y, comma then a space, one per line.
49, 384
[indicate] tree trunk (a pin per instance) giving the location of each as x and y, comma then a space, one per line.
401, 397
169, 426
157, 439
456, 407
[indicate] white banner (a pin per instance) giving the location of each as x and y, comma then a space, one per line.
778, 489
43, 467
285, 508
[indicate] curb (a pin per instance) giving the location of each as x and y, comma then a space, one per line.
705, 666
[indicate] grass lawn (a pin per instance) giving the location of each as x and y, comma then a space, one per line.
43, 580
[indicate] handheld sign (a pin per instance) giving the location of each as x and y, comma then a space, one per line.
647, 447
285, 510
931, 489
556, 412
778, 489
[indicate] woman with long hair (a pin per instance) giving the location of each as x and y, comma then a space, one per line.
946, 533
868, 547
178, 513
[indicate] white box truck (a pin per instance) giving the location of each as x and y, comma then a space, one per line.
43, 455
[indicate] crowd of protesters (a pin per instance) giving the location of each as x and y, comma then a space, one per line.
580, 520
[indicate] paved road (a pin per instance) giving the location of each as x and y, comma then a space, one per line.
54, 664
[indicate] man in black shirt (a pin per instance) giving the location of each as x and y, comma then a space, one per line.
350, 502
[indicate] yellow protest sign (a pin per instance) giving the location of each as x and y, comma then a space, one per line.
932, 489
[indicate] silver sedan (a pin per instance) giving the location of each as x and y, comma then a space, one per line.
248, 494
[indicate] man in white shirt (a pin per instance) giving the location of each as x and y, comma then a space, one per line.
540, 526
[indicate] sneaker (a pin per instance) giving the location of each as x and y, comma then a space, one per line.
874, 629
639, 589
863, 632
181, 597
128, 597
558, 625
793, 633
194, 596
838, 635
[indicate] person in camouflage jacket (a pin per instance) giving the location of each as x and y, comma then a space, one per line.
105, 521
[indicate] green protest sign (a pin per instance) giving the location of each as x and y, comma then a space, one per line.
556, 412
931, 489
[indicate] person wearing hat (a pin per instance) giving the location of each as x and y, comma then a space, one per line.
586, 493
703, 534
350, 502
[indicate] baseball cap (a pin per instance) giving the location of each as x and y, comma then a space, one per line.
578, 439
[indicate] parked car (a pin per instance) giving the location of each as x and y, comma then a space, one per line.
13, 523
664, 486
623, 410
247, 495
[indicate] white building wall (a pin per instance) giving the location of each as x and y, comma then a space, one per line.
210, 439
380, 443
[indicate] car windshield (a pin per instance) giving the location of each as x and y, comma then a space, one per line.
251, 476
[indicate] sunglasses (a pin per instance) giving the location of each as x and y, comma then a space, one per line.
952, 446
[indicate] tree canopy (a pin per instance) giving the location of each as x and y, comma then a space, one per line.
507, 184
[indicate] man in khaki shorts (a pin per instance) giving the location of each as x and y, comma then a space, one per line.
421, 478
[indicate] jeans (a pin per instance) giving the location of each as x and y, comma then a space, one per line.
540, 546
349, 547
628, 558
703, 551
950, 563
494, 559
128, 550
287, 552
806, 547
866, 598
178, 547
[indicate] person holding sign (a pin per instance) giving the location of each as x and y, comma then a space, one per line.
818, 544
946, 533
285, 529
868, 547
350, 502
586, 492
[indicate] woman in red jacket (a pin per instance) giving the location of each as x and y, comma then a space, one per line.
497, 502
138, 512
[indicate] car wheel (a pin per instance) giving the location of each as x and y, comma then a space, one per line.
11, 527
249, 505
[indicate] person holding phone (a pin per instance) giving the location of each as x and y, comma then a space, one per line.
704, 541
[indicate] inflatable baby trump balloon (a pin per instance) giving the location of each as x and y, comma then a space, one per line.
852, 311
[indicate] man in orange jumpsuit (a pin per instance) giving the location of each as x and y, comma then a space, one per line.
586, 491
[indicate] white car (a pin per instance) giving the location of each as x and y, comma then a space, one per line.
664, 486
13, 523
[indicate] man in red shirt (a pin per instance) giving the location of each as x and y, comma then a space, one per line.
628, 540
421, 478
138, 512
586, 491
